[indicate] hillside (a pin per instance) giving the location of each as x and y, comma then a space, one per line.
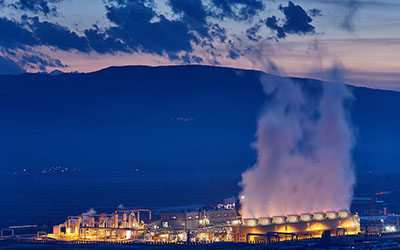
128, 117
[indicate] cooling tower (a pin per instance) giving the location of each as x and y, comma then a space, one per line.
300, 226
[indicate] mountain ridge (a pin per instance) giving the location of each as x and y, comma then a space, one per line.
191, 117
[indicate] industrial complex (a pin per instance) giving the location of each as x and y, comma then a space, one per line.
220, 226
212, 225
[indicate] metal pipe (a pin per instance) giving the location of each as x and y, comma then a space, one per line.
115, 218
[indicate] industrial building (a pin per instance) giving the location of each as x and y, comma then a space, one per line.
202, 226
120, 225
197, 219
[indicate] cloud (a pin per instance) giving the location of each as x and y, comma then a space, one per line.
314, 12
101, 43
238, 10
55, 35
40, 62
352, 7
138, 27
32, 32
217, 32
272, 23
36, 6
14, 35
194, 14
233, 55
143, 30
8, 66
252, 33
296, 21
18, 38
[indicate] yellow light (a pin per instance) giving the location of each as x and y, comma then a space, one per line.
317, 227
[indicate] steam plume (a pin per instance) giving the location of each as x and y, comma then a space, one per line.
304, 142
90, 212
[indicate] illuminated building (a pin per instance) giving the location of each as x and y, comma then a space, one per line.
203, 226
120, 225
296, 226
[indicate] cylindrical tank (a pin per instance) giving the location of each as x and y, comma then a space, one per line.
264, 221
250, 222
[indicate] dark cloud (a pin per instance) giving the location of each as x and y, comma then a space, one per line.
187, 58
35, 6
32, 32
314, 12
252, 33
101, 43
217, 32
136, 26
57, 36
8, 66
142, 29
296, 21
194, 14
233, 55
272, 23
239, 10
18, 38
14, 35
40, 62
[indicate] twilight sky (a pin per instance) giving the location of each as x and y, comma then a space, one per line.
357, 39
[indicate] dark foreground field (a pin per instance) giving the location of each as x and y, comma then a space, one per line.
387, 241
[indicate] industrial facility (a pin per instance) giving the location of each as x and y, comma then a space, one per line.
213, 225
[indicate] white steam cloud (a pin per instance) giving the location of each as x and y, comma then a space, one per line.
90, 212
303, 145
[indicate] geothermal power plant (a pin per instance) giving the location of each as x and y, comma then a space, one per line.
215, 225
289, 194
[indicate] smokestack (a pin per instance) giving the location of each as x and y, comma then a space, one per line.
304, 142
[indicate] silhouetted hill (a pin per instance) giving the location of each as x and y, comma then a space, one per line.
195, 121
